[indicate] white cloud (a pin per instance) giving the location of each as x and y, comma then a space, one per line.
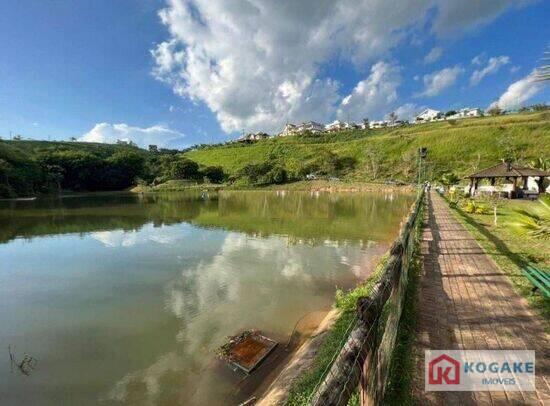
518, 93
408, 111
493, 66
454, 16
514, 69
436, 82
157, 134
372, 96
433, 55
256, 64
478, 59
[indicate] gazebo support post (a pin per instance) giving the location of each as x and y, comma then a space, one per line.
540, 184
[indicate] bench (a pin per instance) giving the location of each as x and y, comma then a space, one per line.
539, 278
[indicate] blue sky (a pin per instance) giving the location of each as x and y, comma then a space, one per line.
180, 72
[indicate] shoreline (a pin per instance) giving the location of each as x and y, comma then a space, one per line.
299, 361
299, 186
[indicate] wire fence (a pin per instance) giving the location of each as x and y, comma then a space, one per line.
363, 356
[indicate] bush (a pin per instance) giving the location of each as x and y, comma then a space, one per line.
214, 174
471, 207
183, 168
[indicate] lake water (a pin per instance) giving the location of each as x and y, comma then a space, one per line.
123, 299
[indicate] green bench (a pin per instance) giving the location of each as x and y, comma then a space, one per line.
539, 278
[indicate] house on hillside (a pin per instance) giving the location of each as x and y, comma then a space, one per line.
290, 129
335, 126
466, 113
378, 124
310, 126
253, 137
427, 116
397, 123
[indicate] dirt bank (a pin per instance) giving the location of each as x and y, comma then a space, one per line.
299, 362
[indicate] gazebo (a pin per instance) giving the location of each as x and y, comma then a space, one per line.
512, 174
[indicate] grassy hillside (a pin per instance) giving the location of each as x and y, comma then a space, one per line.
460, 147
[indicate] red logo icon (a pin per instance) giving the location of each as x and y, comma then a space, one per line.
444, 370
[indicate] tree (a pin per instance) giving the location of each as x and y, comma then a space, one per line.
214, 174
450, 113
72, 139
392, 117
54, 173
82, 170
5, 168
184, 168
122, 168
449, 179
495, 111
372, 161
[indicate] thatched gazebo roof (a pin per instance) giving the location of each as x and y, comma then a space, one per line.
507, 170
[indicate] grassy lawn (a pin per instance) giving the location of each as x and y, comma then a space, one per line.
510, 248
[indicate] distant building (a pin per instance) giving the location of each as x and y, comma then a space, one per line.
290, 129
338, 125
378, 124
335, 126
397, 123
465, 113
427, 116
310, 126
253, 137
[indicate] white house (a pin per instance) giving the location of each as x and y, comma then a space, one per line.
378, 124
427, 115
465, 113
290, 129
335, 126
253, 137
311, 126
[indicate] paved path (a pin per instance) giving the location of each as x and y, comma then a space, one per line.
467, 302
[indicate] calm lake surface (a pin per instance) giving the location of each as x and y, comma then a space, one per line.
123, 299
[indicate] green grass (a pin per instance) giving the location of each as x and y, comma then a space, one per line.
403, 362
462, 148
509, 249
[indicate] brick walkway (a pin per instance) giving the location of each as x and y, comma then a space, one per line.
467, 302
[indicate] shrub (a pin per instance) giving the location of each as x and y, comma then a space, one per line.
214, 174
184, 168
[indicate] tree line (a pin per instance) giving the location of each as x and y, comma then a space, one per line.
56, 167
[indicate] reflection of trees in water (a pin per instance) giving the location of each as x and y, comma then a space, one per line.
101, 213
310, 217
307, 217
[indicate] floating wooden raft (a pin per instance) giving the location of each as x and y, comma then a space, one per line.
247, 350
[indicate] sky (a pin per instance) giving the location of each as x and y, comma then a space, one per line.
180, 72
